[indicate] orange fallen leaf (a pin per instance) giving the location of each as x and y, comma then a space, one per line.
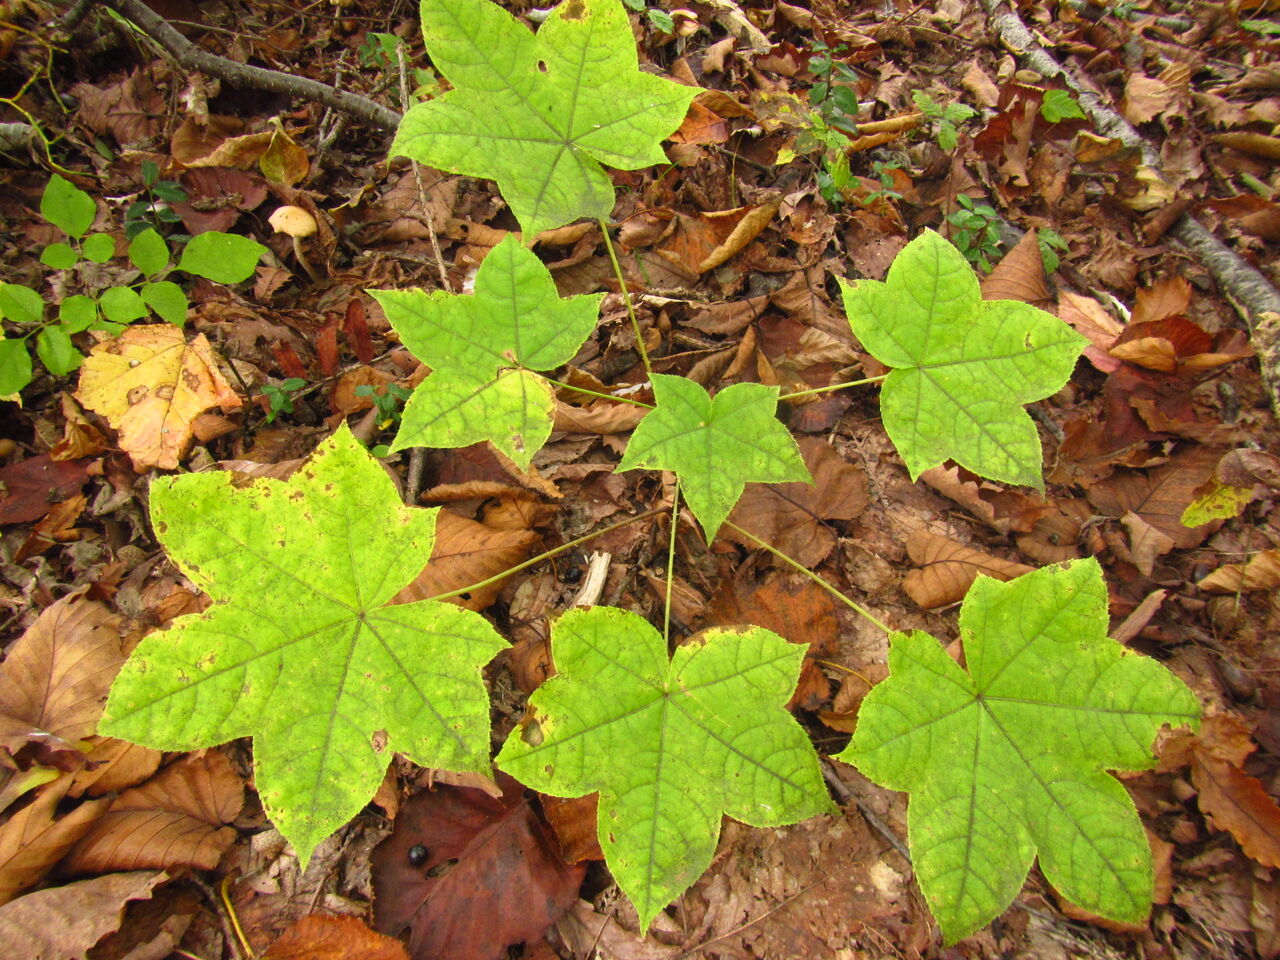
151, 385
317, 937
1238, 803
32, 841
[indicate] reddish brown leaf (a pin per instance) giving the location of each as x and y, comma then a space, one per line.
317, 937
1019, 275
1159, 496
1238, 803
30, 487
357, 331
489, 874
574, 821
791, 516
174, 819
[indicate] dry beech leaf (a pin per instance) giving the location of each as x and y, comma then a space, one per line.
791, 516
1020, 275
317, 937
1259, 572
1146, 543
573, 819
32, 841
64, 923
603, 417
174, 819
113, 765
467, 552
1159, 496
151, 385
1167, 297
1090, 319
1238, 803
56, 675
947, 569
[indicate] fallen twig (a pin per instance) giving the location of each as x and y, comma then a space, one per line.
242, 74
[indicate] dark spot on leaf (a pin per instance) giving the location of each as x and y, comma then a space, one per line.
574, 10
542, 65
418, 855
464, 596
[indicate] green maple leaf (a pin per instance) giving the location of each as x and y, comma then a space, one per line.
962, 367
1008, 759
714, 445
482, 347
300, 648
670, 745
539, 114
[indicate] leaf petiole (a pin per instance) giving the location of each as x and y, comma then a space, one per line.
597, 393
831, 387
626, 298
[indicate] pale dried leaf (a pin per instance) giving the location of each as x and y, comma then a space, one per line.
947, 569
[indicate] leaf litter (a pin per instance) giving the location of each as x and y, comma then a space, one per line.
1134, 419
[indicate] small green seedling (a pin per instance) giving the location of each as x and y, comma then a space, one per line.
1051, 243
155, 209
280, 396
946, 116
977, 232
655, 15
221, 257
387, 400
1058, 105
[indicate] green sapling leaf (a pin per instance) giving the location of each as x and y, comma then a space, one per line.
1058, 105
474, 342
962, 367
122, 304
56, 351
1008, 759
221, 257
99, 248
714, 445
167, 299
77, 312
15, 366
67, 207
540, 114
148, 252
670, 745
59, 256
302, 648
20, 304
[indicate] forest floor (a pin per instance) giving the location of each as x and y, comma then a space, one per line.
776, 187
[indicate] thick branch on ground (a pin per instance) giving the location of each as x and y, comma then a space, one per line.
242, 75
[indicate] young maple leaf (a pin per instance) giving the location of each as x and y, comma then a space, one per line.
539, 114
962, 367
670, 745
472, 341
301, 649
714, 445
1009, 759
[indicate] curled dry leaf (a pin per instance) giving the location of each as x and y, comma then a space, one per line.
1260, 572
175, 819
317, 937
947, 569
64, 923
1020, 275
791, 516
151, 385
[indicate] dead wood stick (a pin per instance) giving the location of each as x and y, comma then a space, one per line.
192, 57
1256, 299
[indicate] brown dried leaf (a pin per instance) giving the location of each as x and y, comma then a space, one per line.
602, 417
574, 821
1160, 496
467, 552
1019, 275
507, 882
113, 765
1091, 320
791, 516
174, 819
151, 384
317, 937
947, 569
64, 923
1146, 543
57, 674
1167, 297
1238, 803
1259, 572
32, 841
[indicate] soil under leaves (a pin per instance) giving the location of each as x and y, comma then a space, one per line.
732, 252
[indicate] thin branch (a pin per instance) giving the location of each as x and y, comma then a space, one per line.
243, 75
